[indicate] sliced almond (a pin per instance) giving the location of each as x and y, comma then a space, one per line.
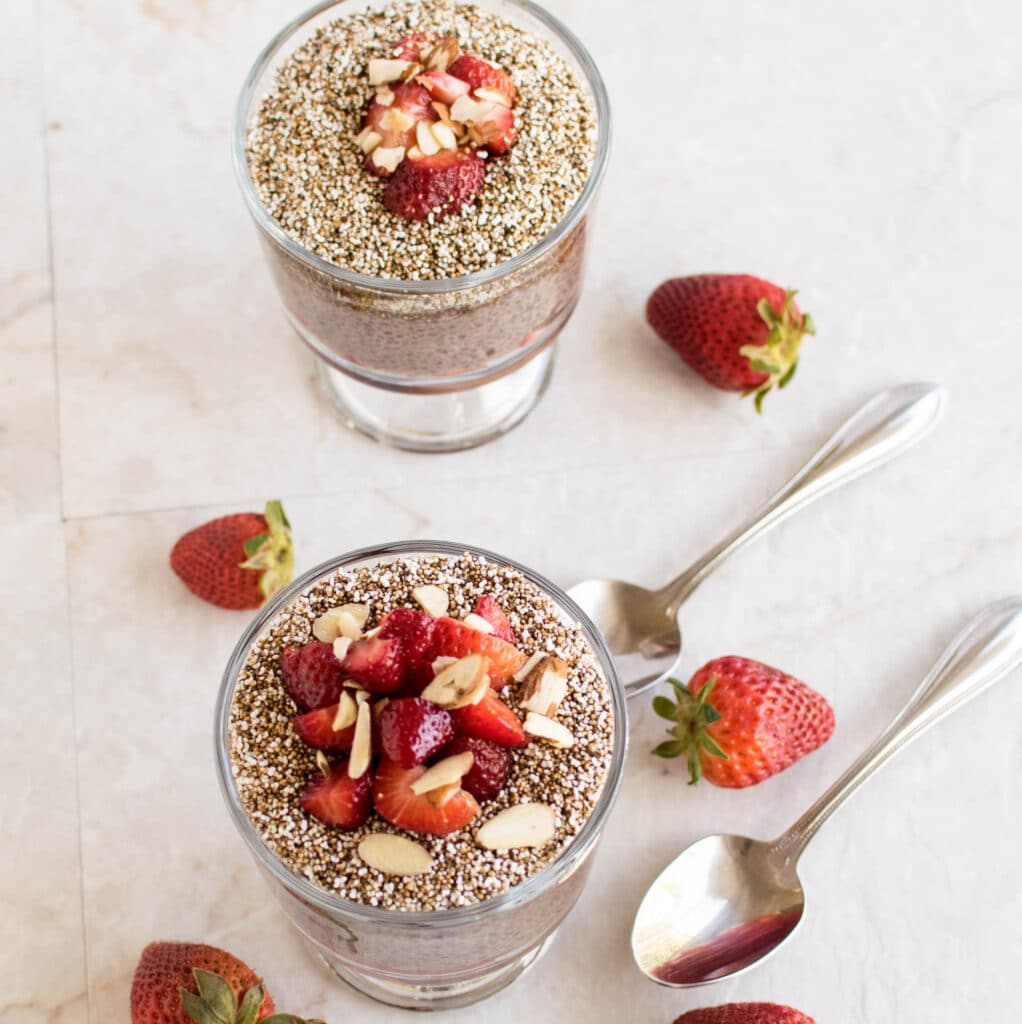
444, 54
323, 764
341, 645
414, 153
396, 121
444, 135
534, 660
394, 855
442, 794
463, 683
388, 157
477, 622
447, 772
368, 140
337, 622
492, 96
441, 662
432, 600
347, 712
384, 95
442, 112
544, 728
383, 70
426, 140
545, 686
362, 744
518, 826
361, 697
359, 612
411, 71
468, 110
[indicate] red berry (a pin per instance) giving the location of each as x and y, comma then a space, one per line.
316, 728
745, 1013
487, 608
739, 333
490, 765
454, 639
376, 663
415, 631
337, 799
236, 561
480, 74
395, 122
412, 730
437, 813
740, 721
167, 967
312, 675
441, 184
443, 87
491, 719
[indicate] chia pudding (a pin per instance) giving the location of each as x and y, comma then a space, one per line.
421, 302
561, 764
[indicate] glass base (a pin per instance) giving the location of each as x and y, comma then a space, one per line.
432, 997
444, 422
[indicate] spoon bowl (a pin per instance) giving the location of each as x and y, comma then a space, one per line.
727, 901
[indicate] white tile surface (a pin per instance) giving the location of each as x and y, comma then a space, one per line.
870, 154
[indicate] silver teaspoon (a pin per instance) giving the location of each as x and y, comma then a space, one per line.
727, 902
641, 627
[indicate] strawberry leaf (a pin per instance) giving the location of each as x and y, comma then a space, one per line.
217, 995
664, 707
670, 748
250, 1003
254, 544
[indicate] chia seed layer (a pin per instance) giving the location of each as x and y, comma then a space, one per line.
271, 766
308, 170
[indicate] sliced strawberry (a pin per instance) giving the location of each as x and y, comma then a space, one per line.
490, 765
497, 129
415, 47
415, 631
491, 719
454, 639
312, 675
375, 663
442, 86
412, 729
441, 184
337, 799
316, 728
480, 74
487, 608
434, 813
395, 123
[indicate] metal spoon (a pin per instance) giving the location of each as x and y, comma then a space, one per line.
641, 626
728, 901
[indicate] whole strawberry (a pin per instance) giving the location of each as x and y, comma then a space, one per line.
760, 722
745, 1013
237, 561
738, 332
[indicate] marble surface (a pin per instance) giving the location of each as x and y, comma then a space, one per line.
869, 153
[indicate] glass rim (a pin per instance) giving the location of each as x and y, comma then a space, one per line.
270, 227
516, 895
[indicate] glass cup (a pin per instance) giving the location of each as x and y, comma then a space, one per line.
373, 338
436, 959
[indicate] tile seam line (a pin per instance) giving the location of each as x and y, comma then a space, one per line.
384, 486
51, 270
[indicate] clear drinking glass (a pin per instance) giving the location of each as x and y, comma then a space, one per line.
373, 338
435, 959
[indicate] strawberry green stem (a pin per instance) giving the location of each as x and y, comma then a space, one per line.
272, 553
692, 715
778, 355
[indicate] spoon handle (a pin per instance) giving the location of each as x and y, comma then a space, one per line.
985, 651
887, 425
